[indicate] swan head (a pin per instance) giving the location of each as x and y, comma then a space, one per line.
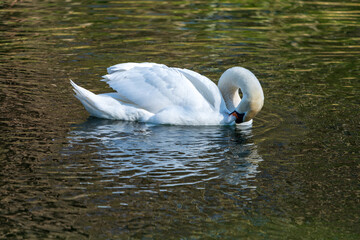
245, 108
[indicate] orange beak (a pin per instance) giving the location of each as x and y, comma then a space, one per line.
234, 114
239, 116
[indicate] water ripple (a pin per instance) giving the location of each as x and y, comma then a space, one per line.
167, 155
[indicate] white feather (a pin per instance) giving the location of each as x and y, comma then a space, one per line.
151, 92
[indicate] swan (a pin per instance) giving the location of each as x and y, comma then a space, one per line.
155, 93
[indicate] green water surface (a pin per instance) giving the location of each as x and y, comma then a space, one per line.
294, 175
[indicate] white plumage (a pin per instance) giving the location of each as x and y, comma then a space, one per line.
150, 92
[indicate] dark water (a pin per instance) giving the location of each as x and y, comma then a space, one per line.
294, 175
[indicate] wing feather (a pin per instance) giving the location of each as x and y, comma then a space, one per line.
155, 87
206, 87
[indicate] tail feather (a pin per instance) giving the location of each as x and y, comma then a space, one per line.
105, 106
86, 98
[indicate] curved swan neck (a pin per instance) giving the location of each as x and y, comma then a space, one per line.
253, 97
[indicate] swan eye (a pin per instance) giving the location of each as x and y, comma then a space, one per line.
239, 116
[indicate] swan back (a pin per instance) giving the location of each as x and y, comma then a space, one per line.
253, 97
173, 95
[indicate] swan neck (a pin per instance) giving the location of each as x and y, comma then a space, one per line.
252, 100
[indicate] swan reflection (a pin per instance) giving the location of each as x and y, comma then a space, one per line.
166, 156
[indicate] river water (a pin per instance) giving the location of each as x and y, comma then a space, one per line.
294, 175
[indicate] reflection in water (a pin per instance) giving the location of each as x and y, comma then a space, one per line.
146, 179
169, 155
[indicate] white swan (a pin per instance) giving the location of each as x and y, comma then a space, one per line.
150, 92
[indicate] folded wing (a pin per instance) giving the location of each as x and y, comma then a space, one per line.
154, 87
